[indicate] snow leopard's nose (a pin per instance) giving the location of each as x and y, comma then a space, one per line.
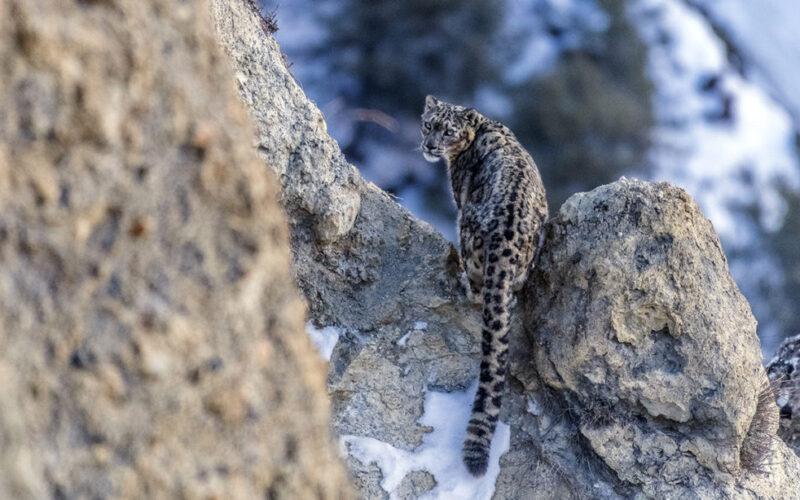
429, 144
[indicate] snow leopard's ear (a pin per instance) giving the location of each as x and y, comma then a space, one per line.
471, 115
431, 102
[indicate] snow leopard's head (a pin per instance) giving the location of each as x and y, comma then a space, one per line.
447, 129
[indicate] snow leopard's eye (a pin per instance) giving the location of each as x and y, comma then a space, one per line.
427, 125
448, 132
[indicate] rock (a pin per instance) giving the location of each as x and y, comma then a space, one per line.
620, 309
415, 484
152, 338
784, 372
635, 368
638, 328
367, 478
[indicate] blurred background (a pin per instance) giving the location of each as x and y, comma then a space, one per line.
700, 93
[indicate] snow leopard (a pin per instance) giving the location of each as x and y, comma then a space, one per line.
501, 210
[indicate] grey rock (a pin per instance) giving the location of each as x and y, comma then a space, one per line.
637, 327
367, 479
415, 484
635, 368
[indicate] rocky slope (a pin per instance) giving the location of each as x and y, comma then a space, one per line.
636, 373
152, 339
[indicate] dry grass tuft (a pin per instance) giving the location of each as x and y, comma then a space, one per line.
757, 444
269, 22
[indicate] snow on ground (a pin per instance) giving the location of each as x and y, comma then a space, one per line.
719, 136
324, 339
418, 326
440, 452
402, 340
534, 407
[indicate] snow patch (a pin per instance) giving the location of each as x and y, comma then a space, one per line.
534, 407
439, 453
419, 325
765, 31
324, 339
402, 341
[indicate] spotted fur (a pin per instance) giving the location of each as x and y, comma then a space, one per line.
501, 208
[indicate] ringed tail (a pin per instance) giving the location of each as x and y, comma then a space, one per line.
497, 295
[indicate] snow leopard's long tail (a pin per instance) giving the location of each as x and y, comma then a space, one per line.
497, 294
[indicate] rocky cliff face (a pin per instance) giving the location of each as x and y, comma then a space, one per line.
152, 339
636, 369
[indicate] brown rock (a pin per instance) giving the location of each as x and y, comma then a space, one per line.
152, 338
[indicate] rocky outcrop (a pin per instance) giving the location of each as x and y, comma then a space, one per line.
152, 339
784, 372
635, 368
637, 327
363, 262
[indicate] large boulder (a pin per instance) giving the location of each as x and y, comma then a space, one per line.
636, 324
153, 342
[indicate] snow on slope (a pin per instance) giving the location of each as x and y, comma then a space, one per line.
527, 22
324, 339
765, 32
447, 413
440, 452
719, 136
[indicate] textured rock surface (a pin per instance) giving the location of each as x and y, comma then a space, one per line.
649, 361
152, 340
784, 372
415, 484
636, 323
